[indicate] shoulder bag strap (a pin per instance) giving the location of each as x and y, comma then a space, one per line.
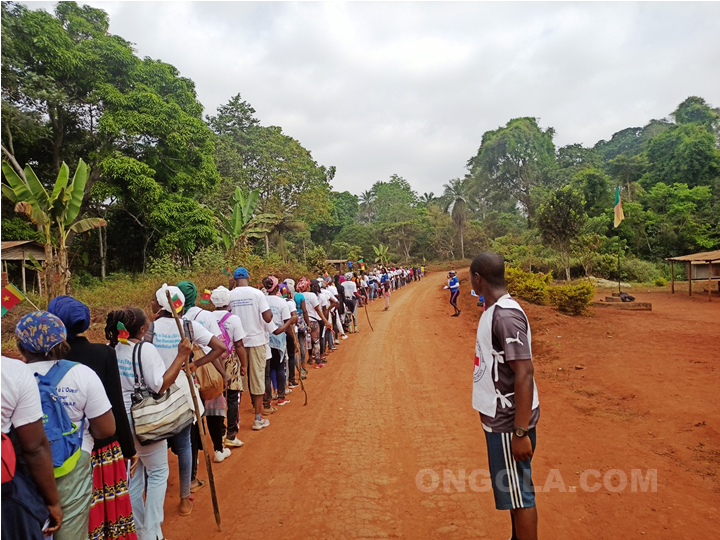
137, 363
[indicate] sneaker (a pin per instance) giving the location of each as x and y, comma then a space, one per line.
227, 452
234, 442
333, 348
259, 424
268, 410
283, 401
344, 336
288, 391
292, 384
219, 457
318, 366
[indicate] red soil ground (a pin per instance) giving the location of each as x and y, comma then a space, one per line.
618, 390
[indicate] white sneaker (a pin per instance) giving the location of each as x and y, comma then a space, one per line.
219, 457
288, 390
234, 442
259, 424
344, 336
226, 452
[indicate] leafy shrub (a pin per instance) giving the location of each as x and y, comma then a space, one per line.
573, 298
632, 269
209, 259
528, 285
660, 282
164, 267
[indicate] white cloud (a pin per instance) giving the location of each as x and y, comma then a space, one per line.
409, 88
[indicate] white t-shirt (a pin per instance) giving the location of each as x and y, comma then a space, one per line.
153, 369
333, 290
233, 325
292, 306
20, 395
311, 302
166, 341
205, 318
82, 394
249, 304
350, 289
281, 313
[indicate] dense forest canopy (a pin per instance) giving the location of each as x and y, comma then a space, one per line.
174, 184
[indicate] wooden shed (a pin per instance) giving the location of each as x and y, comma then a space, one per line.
703, 266
339, 264
20, 250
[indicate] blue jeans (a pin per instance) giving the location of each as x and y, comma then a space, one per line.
183, 448
151, 477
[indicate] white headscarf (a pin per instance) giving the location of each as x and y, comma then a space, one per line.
162, 297
220, 297
291, 285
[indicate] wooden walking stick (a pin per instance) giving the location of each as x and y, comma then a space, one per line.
368, 317
202, 427
297, 365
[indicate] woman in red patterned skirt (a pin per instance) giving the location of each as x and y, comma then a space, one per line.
110, 510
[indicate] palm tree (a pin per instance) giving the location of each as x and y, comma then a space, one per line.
426, 199
456, 196
367, 206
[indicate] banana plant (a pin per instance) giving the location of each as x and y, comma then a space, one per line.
55, 215
243, 223
381, 253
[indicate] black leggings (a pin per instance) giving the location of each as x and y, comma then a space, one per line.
453, 297
216, 427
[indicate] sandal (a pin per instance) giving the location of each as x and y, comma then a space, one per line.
197, 485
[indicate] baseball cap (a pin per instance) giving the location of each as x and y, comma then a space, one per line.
241, 273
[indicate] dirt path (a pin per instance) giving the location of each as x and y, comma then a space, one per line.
396, 401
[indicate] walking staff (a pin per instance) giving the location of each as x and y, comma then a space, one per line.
204, 433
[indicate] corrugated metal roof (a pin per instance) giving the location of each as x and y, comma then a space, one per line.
16, 243
707, 256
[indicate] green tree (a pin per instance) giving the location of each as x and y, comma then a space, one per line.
512, 160
594, 186
560, 220
55, 214
687, 153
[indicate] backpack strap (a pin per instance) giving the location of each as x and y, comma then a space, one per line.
225, 317
58, 371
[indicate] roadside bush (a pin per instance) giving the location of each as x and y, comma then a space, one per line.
573, 298
660, 282
527, 285
632, 269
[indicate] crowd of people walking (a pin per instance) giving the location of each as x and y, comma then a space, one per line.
86, 427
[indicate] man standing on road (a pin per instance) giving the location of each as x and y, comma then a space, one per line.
505, 394
251, 306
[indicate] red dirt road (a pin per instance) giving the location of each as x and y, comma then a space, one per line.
395, 401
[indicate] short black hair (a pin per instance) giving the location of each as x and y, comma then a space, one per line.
490, 266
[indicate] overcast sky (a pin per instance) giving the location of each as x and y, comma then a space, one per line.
381, 88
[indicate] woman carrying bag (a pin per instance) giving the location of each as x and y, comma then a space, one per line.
151, 473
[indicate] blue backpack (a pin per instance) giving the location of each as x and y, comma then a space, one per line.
64, 436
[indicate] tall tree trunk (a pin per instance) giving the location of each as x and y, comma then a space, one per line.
103, 253
267, 245
462, 243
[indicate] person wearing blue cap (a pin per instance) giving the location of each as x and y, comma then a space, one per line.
252, 307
